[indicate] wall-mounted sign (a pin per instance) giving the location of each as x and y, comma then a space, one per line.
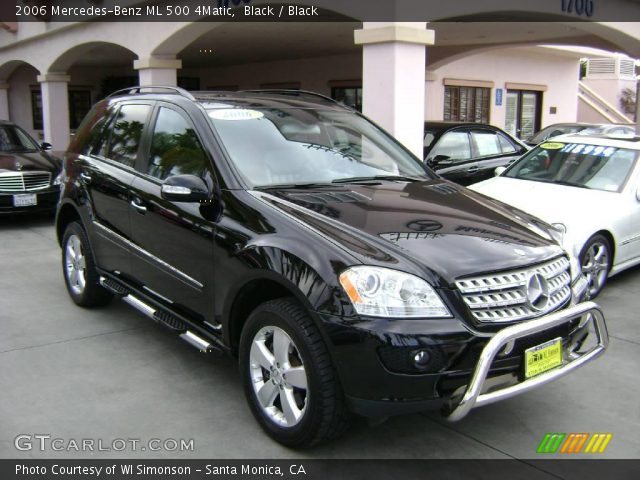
499, 97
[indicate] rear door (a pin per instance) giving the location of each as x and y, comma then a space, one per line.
173, 253
491, 149
107, 172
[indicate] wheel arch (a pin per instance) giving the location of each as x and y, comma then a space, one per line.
272, 271
252, 293
610, 238
67, 213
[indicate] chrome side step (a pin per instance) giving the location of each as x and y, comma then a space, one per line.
195, 341
161, 316
140, 306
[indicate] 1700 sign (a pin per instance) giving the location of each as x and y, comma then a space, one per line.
579, 7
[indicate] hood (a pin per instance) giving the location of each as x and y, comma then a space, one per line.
551, 202
443, 227
28, 161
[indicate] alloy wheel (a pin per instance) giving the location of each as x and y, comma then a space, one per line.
595, 266
75, 265
278, 376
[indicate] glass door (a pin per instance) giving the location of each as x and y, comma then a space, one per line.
524, 111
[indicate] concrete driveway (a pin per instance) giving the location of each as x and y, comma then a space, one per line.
112, 374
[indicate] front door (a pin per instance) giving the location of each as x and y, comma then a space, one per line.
173, 253
524, 113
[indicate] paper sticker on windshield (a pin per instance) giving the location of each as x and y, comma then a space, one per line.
583, 149
235, 114
552, 146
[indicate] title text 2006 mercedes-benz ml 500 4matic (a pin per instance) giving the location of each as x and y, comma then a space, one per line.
347, 277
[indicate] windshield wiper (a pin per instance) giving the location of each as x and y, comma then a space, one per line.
378, 177
569, 184
277, 186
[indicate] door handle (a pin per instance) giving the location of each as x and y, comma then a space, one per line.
85, 177
135, 203
473, 169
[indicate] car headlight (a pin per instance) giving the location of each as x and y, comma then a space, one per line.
383, 292
58, 179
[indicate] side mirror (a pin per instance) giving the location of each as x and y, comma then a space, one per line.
499, 171
638, 194
185, 188
46, 146
439, 161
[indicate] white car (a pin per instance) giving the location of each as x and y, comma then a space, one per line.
588, 188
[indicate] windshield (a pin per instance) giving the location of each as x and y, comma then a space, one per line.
294, 146
553, 131
13, 139
576, 164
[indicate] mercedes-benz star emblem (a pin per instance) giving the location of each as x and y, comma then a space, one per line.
18, 165
537, 292
424, 225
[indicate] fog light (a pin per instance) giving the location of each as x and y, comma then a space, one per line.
421, 359
508, 348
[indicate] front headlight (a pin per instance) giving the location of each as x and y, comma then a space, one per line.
382, 292
58, 179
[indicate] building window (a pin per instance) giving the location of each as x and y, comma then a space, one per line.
350, 96
466, 104
36, 109
79, 106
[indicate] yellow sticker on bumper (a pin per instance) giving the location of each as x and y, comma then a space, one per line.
542, 358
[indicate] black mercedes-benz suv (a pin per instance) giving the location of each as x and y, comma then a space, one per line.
290, 231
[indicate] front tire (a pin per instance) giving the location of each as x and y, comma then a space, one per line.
596, 259
80, 274
288, 377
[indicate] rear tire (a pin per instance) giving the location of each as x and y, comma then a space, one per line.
289, 380
79, 270
595, 260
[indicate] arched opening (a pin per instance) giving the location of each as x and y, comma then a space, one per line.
97, 69
308, 56
523, 76
21, 102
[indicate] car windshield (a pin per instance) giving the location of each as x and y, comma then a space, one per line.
576, 164
553, 131
14, 139
296, 146
609, 130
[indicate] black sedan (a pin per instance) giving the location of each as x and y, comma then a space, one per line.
468, 152
29, 175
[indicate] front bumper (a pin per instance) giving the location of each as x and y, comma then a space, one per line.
47, 200
373, 358
473, 396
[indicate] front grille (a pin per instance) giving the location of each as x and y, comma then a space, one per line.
24, 181
502, 296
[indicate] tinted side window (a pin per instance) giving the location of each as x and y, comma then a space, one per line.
175, 148
507, 146
89, 131
126, 132
454, 145
486, 143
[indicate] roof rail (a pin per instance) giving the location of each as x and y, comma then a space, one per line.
141, 88
296, 92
